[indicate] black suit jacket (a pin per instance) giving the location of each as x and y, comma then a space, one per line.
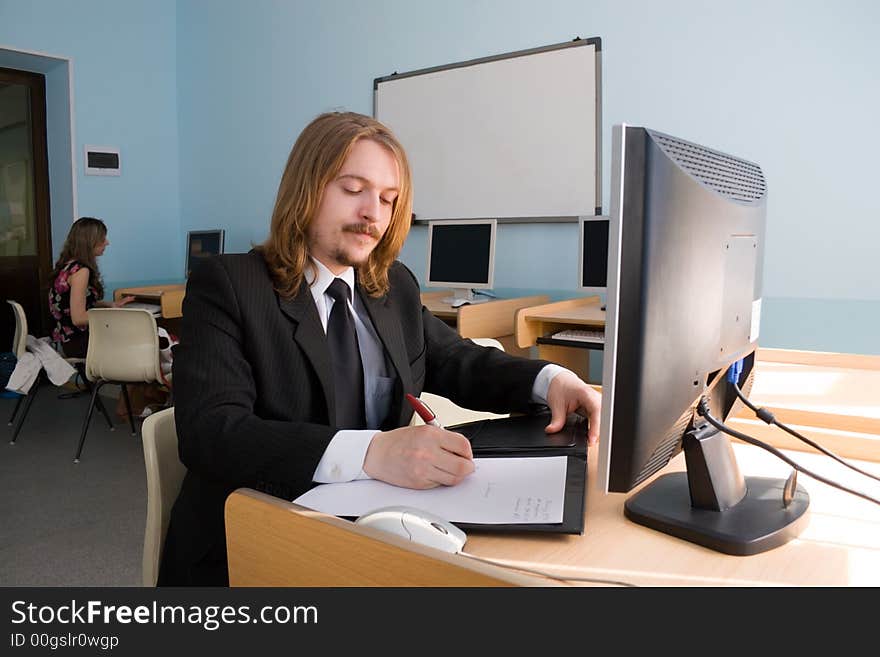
254, 393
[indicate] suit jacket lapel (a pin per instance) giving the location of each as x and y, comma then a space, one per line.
389, 331
310, 336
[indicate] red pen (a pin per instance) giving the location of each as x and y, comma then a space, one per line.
424, 412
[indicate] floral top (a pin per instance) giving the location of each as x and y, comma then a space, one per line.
59, 302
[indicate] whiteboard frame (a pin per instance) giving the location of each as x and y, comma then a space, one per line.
596, 42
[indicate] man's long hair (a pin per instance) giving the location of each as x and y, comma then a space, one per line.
84, 236
315, 160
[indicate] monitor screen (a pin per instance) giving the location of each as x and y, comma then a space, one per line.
593, 249
683, 306
201, 244
461, 255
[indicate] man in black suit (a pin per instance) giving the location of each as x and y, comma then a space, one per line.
269, 390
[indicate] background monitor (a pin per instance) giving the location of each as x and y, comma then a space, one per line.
593, 254
683, 305
461, 256
201, 244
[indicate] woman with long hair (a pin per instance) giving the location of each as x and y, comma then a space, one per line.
77, 285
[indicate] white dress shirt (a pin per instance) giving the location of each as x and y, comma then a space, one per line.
343, 460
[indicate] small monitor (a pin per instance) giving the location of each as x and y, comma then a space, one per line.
593, 254
461, 256
201, 244
683, 308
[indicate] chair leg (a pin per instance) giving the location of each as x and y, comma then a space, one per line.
128, 409
32, 394
85, 427
99, 404
15, 410
104, 412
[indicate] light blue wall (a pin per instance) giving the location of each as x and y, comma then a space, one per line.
222, 87
788, 84
124, 65
58, 138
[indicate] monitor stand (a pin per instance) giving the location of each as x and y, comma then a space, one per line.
463, 296
712, 504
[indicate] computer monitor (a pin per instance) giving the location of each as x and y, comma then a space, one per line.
593, 254
683, 306
461, 256
201, 244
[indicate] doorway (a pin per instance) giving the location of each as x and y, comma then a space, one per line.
25, 229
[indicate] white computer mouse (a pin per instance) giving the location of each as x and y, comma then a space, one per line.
458, 303
416, 525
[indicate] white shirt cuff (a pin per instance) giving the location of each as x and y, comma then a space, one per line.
343, 459
542, 381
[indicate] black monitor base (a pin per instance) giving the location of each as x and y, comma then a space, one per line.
757, 523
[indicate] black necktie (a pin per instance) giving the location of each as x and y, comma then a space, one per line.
348, 373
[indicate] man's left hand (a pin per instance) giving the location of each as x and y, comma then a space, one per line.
569, 394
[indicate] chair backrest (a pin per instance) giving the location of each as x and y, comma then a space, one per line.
123, 346
450, 413
19, 341
164, 476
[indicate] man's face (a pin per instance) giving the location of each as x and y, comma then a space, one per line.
355, 209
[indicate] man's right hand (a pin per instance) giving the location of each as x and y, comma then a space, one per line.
419, 457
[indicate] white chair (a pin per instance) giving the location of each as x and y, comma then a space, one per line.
19, 340
19, 346
450, 413
123, 348
165, 474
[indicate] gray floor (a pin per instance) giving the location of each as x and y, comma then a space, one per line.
66, 524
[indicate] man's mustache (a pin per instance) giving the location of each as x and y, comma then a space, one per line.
363, 229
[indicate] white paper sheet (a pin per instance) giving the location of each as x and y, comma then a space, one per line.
499, 491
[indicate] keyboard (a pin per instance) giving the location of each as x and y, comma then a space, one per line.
154, 308
580, 335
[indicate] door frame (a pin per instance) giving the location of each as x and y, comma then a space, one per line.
39, 173
60, 143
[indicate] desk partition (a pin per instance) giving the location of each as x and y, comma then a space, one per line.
168, 297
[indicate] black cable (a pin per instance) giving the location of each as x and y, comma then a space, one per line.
558, 578
703, 410
769, 418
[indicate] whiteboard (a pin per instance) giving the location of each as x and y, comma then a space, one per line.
512, 136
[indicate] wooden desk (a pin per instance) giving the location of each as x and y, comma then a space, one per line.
832, 398
540, 320
834, 395
169, 297
839, 546
492, 319
271, 542
275, 543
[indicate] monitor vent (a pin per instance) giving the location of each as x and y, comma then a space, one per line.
667, 448
729, 176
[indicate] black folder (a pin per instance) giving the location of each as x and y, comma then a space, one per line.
524, 436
